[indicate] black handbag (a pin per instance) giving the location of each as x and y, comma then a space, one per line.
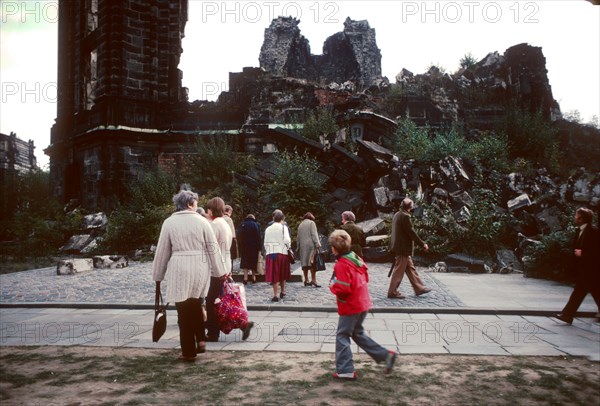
319, 262
159, 326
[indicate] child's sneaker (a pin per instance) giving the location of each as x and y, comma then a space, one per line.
389, 362
350, 376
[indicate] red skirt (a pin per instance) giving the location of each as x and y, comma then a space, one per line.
277, 268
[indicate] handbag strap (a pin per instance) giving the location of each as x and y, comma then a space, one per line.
158, 299
283, 226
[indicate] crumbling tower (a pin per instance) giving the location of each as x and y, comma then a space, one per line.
118, 86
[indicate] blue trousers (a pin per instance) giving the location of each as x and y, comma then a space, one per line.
352, 326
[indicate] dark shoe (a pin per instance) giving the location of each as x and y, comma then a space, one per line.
186, 359
315, 285
275, 299
253, 280
307, 283
349, 376
563, 318
201, 347
212, 339
389, 362
245, 282
397, 295
282, 295
426, 290
246, 330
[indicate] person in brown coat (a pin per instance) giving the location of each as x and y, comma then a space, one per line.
356, 233
402, 245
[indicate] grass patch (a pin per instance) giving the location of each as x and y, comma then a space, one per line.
153, 377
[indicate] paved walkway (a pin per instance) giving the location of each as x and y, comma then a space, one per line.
486, 314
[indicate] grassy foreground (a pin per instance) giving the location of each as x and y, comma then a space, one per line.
136, 376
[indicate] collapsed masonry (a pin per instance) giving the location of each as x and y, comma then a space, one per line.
122, 108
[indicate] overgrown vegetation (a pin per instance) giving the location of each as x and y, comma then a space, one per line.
31, 221
296, 187
319, 123
136, 223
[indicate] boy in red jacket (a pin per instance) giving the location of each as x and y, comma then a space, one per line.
349, 285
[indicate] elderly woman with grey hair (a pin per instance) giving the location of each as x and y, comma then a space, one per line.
186, 254
277, 266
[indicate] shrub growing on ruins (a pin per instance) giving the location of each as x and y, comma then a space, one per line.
213, 162
136, 223
296, 186
320, 122
531, 136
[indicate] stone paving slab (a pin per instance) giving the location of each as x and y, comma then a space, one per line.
310, 332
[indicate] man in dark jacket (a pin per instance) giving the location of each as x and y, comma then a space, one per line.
586, 264
356, 233
402, 245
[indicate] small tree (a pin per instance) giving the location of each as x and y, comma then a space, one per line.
321, 122
296, 186
214, 161
467, 61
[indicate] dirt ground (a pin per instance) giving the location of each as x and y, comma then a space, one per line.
122, 376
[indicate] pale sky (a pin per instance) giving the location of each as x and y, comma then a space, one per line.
223, 37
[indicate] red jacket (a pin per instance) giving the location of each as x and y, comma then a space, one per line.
349, 284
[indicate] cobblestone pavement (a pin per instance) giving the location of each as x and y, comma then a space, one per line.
134, 286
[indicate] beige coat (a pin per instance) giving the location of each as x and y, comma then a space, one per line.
307, 240
186, 252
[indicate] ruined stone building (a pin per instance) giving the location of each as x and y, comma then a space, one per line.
121, 106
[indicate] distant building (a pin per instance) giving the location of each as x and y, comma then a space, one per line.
16, 154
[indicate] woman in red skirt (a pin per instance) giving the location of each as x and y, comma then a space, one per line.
277, 266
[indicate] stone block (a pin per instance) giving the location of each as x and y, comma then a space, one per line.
95, 221
381, 197
518, 202
77, 243
110, 261
372, 226
508, 262
459, 261
377, 240
74, 266
377, 254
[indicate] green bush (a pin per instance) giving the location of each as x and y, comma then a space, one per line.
32, 221
552, 258
411, 141
491, 151
321, 122
296, 186
531, 136
136, 224
213, 163
128, 230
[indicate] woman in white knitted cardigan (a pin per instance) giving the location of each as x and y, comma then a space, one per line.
187, 254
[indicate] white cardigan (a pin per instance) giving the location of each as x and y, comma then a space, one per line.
277, 239
186, 253
224, 239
